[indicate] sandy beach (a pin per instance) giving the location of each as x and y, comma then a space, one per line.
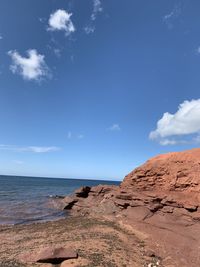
98, 243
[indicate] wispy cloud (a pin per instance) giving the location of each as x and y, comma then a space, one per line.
171, 142
114, 127
69, 135
18, 162
60, 20
42, 20
55, 47
33, 149
198, 50
97, 8
80, 136
89, 29
32, 67
1, 37
170, 18
176, 128
57, 52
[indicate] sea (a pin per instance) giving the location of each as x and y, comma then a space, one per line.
26, 200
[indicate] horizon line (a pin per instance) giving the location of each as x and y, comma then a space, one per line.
69, 178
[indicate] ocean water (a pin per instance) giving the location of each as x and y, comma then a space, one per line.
33, 199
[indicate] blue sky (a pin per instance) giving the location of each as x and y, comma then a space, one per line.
93, 88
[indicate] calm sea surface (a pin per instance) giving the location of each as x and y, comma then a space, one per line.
32, 199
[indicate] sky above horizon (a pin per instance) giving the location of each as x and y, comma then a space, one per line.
93, 88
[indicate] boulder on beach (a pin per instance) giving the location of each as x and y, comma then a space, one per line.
56, 255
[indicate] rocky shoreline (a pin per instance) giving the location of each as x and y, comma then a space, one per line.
160, 200
151, 219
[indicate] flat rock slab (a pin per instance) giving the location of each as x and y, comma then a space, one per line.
56, 255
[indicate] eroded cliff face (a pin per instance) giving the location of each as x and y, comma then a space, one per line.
178, 171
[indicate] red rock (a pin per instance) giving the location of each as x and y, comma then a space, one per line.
161, 199
83, 191
47, 265
122, 203
190, 207
137, 213
167, 209
196, 216
177, 171
155, 207
69, 202
68, 264
136, 203
56, 255
124, 196
102, 189
171, 202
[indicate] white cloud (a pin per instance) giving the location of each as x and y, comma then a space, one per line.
184, 122
1, 37
170, 18
170, 15
114, 127
32, 67
60, 20
198, 50
97, 8
166, 142
38, 149
33, 149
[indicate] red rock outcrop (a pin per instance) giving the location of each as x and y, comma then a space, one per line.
165, 183
161, 198
178, 171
